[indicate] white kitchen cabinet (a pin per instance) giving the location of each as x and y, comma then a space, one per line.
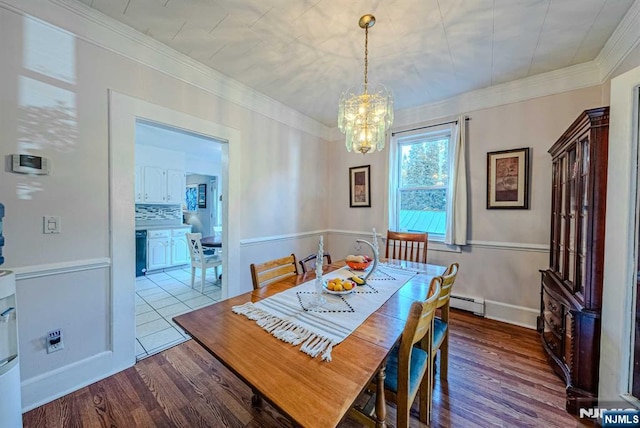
179, 247
176, 183
167, 247
158, 249
155, 185
138, 185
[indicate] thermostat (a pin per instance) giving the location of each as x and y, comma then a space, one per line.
28, 164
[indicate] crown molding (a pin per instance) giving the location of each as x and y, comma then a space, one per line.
107, 33
553, 82
623, 40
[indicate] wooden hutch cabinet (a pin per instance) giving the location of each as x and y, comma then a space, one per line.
571, 292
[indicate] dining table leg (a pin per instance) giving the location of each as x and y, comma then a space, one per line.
381, 405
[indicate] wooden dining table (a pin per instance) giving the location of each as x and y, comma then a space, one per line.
309, 391
213, 241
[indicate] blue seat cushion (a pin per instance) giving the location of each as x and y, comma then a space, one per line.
418, 366
439, 331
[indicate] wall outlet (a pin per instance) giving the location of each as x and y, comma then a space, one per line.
54, 341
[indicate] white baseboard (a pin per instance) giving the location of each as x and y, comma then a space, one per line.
511, 314
49, 386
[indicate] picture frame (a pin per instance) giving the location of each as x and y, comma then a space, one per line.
360, 186
508, 179
202, 196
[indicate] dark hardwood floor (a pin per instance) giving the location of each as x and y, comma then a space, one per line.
498, 376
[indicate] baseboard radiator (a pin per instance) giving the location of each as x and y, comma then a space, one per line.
471, 304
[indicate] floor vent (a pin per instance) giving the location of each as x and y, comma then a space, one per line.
471, 304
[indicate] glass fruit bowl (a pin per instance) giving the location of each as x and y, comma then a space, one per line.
330, 290
359, 266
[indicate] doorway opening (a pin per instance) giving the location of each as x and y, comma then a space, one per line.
177, 177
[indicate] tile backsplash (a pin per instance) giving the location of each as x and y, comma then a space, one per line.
163, 213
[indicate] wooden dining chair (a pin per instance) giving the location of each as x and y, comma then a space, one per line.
408, 369
200, 260
273, 270
441, 323
309, 262
407, 246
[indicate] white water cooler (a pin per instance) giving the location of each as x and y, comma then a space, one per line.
10, 400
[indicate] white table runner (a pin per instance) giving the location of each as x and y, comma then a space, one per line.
292, 317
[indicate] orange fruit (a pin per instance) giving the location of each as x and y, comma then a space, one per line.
338, 287
330, 285
348, 285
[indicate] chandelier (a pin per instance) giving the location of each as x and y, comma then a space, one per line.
366, 116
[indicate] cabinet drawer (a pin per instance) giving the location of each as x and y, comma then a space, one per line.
552, 306
553, 323
180, 232
158, 234
552, 341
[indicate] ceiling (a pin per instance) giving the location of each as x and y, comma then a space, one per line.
304, 53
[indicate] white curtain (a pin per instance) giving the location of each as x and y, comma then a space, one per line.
393, 184
456, 233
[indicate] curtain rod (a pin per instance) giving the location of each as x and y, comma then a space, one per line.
428, 126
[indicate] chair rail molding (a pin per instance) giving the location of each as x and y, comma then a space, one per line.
514, 246
38, 271
275, 238
433, 245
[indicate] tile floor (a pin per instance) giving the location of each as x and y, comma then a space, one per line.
160, 297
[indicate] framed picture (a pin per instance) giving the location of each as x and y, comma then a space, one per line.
508, 179
359, 186
202, 196
191, 198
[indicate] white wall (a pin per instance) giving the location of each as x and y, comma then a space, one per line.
513, 242
280, 198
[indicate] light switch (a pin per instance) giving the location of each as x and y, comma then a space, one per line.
51, 224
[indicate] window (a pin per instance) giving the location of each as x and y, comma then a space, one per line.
419, 182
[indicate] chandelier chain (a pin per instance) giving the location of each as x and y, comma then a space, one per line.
366, 57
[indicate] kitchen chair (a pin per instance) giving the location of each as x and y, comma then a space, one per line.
441, 324
309, 262
217, 233
408, 367
200, 260
407, 246
273, 270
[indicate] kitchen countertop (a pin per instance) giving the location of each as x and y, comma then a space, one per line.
165, 227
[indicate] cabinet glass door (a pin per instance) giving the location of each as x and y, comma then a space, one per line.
556, 202
562, 220
572, 214
583, 216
